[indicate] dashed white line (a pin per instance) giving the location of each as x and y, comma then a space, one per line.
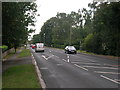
81, 67
109, 79
106, 72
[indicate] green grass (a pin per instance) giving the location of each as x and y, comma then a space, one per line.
24, 53
22, 76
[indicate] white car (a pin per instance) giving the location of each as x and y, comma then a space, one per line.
39, 47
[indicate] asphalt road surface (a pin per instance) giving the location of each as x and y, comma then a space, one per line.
61, 70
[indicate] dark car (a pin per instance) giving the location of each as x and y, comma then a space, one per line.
70, 49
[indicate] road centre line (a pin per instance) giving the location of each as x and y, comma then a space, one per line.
106, 72
109, 79
81, 67
100, 67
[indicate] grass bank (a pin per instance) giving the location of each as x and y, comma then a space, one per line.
22, 76
24, 53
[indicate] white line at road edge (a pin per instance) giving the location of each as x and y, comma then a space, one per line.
41, 81
81, 67
109, 79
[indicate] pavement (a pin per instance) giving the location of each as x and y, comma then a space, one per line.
14, 60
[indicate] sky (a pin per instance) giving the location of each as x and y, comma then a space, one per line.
49, 8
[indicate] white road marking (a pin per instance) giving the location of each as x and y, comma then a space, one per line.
68, 56
86, 63
117, 80
64, 60
50, 51
48, 57
81, 67
56, 56
44, 57
109, 79
68, 60
106, 72
59, 64
100, 67
75, 62
43, 68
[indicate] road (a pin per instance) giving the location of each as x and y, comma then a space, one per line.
61, 70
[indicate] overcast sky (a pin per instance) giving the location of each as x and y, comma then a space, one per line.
49, 8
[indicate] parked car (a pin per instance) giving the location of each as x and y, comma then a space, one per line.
33, 46
70, 49
39, 47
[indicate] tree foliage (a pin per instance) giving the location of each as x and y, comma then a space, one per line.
16, 17
95, 30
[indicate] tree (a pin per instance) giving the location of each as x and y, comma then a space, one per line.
16, 17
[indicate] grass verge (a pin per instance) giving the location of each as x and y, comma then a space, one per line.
22, 76
24, 53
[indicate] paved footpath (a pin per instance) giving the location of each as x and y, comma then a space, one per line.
14, 60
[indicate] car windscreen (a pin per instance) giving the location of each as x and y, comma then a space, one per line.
71, 47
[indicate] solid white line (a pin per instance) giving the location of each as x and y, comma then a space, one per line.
41, 81
81, 67
109, 79
106, 72
100, 67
